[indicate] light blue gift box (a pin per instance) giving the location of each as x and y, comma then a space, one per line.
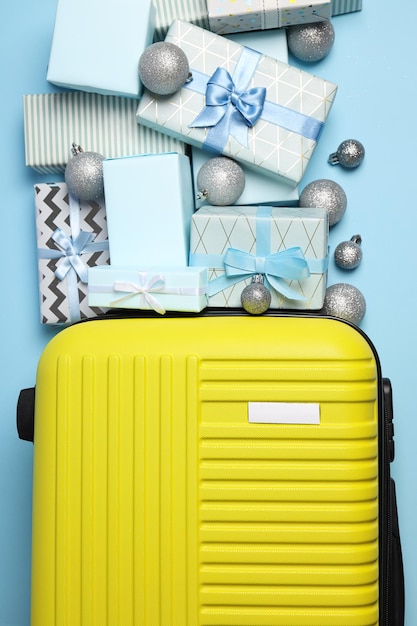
259, 189
287, 246
97, 44
242, 104
149, 204
160, 289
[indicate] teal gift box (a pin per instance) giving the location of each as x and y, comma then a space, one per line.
160, 289
97, 44
288, 246
242, 104
149, 204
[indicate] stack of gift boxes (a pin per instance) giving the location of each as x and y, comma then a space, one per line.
150, 243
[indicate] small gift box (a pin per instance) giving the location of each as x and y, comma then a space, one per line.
288, 246
196, 11
71, 237
96, 45
233, 16
103, 124
160, 289
273, 121
149, 204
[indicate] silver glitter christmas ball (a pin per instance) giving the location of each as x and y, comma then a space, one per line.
345, 301
84, 174
349, 154
256, 298
163, 68
311, 42
327, 194
220, 181
348, 254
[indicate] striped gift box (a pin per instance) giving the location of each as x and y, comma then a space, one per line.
194, 11
103, 124
339, 7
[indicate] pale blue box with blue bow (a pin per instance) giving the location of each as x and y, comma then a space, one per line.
243, 104
287, 246
97, 44
159, 289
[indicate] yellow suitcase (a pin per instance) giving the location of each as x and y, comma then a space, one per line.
213, 470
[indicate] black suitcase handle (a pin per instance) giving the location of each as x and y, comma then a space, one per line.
25, 414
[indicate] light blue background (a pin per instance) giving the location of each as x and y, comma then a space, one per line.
373, 62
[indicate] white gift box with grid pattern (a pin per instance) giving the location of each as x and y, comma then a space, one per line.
278, 135
236, 243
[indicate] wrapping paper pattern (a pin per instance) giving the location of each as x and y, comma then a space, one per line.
193, 11
52, 203
339, 7
278, 150
234, 16
196, 12
216, 230
104, 124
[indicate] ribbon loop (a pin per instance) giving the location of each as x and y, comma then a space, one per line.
71, 251
155, 284
229, 102
289, 264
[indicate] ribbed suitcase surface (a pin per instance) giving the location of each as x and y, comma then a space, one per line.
168, 492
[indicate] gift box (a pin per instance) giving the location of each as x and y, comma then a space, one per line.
96, 45
149, 204
340, 7
259, 189
160, 289
274, 120
196, 11
233, 16
288, 246
103, 124
71, 236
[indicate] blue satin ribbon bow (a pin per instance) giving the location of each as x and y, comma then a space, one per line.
288, 264
70, 250
230, 109
71, 265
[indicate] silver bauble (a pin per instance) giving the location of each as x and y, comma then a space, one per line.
349, 154
311, 42
348, 254
163, 68
84, 174
345, 301
327, 194
256, 298
220, 181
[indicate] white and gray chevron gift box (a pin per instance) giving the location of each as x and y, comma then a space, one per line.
71, 237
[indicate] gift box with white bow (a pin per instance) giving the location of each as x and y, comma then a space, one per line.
243, 104
159, 289
287, 246
71, 236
